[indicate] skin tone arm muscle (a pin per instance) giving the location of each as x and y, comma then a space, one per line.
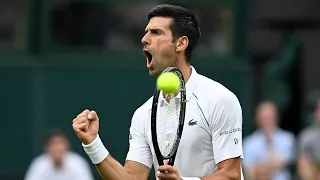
110, 169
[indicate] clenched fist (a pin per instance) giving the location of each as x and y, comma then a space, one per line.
86, 126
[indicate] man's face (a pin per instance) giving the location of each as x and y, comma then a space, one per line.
57, 148
158, 45
267, 117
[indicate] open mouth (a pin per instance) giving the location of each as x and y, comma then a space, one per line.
148, 56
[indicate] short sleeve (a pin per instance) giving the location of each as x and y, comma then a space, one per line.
226, 121
36, 169
303, 145
139, 149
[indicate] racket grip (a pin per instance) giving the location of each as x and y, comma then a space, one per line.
171, 161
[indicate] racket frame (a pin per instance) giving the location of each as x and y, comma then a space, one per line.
172, 155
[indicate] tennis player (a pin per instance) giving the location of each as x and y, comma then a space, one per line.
211, 143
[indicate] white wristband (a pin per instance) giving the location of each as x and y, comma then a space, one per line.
96, 150
190, 178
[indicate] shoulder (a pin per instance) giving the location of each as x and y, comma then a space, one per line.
287, 135
250, 139
41, 159
143, 110
74, 158
306, 133
214, 93
40, 162
140, 115
219, 104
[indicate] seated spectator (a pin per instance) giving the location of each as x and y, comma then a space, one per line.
269, 150
309, 148
57, 162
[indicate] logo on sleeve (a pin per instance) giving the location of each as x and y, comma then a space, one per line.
230, 131
235, 141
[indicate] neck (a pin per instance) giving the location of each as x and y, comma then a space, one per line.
58, 164
185, 69
269, 130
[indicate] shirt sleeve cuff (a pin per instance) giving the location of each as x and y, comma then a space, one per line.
140, 160
224, 156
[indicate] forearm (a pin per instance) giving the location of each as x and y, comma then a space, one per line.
305, 168
306, 173
110, 169
250, 172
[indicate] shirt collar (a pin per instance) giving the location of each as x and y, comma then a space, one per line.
190, 86
191, 83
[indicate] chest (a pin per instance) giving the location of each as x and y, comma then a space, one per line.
313, 147
279, 144
62, 174
196, 135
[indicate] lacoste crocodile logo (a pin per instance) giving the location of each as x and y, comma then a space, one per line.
192, 122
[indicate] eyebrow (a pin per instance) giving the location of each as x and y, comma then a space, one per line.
153, 29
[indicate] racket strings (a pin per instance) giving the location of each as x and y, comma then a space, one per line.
167, 124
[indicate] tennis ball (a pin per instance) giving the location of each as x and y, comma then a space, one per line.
168, 82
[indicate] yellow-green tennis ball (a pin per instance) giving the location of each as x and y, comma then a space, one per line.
168, 82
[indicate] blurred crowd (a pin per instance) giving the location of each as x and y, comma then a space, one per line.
270, 152
58, 162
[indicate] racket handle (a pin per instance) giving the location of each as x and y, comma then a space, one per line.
171, 160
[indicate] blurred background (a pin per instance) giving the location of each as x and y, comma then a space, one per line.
58, 57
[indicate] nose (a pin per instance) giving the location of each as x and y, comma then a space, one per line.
145, 39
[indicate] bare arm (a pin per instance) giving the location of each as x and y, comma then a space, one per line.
305, 168
250, 172
86, 126
229, 169
110, 169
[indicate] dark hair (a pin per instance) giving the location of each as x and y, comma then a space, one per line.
312, 100
184, 23
54, 132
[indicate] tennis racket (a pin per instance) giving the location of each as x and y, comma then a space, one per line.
167, 120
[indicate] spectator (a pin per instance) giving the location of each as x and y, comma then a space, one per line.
268, 152
309, 148
58, 163
262, 172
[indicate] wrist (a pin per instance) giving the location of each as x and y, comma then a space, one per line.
89, 141
96, 150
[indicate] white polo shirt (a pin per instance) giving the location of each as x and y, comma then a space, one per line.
74, 167
212, 130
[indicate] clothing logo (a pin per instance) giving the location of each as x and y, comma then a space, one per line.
230, 131
192, 122
130, 136
235, 141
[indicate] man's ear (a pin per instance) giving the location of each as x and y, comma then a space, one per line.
182, 43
